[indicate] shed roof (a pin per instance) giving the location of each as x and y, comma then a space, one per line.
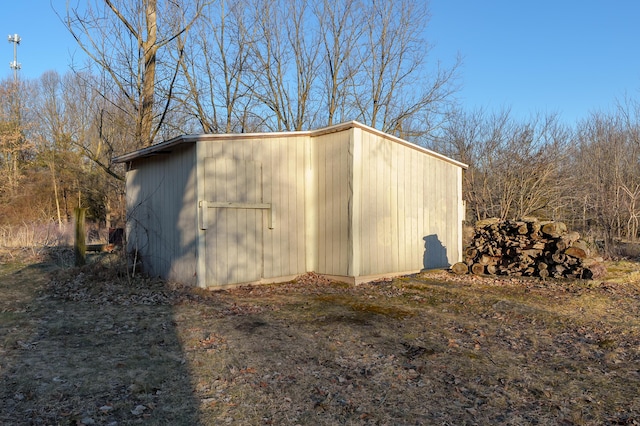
168, 146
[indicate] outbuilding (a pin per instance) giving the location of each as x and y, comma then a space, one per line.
346, 201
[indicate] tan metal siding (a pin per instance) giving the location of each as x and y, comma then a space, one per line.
283, 185
409, 203
284, 176
161, 206
331, 164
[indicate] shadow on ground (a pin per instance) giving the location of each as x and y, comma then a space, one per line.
73, 353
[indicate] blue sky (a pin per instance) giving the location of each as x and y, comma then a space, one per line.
45, 44
566, 56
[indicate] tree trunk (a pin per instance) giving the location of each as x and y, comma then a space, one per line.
150, 48
55, 195
80, 246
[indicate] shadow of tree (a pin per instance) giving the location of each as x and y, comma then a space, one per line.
79, 348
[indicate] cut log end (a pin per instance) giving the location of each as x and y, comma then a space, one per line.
460, 268
477, 269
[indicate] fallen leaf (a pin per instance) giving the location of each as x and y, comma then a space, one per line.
138, 410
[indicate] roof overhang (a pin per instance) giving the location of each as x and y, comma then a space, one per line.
168, 146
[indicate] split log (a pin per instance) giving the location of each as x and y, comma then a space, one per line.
460, 268
558, 270
523, 228
471, 252
477, 269
532, 252
558, 257
492, 269
576, 252
581, 244
570, 237
488, 260
540, 245
554, 229
571, 261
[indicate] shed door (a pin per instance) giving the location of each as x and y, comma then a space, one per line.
234, 235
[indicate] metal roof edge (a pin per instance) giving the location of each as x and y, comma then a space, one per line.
408, 144
162, 146
154, 149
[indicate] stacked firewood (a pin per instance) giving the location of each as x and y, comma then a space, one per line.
529, 247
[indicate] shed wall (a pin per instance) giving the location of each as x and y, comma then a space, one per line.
408, 204
332, 163
282, 161
162, 214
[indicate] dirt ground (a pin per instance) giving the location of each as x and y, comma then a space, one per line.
90, 346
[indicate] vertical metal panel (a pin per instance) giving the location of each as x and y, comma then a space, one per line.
284, 179
161, 217
233, 235
332, 168
310, 205
410, 208
283, 185
354, 205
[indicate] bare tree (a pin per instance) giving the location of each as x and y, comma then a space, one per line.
124, 38
474, 138
285, 61
607, 160
215, 89
341, 31
395, 91
265, 64
66, 136
52, 135
293, 64
14, 145
516, 169
530, 180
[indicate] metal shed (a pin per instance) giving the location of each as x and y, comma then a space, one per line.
346, 201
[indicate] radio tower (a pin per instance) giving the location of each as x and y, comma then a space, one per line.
15, 66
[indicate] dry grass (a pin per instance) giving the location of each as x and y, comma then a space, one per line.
91, 347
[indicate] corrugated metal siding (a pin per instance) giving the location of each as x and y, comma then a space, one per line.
283, 180
162, 214
409, 203
332, 166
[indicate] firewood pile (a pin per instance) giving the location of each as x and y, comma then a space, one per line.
529, 247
